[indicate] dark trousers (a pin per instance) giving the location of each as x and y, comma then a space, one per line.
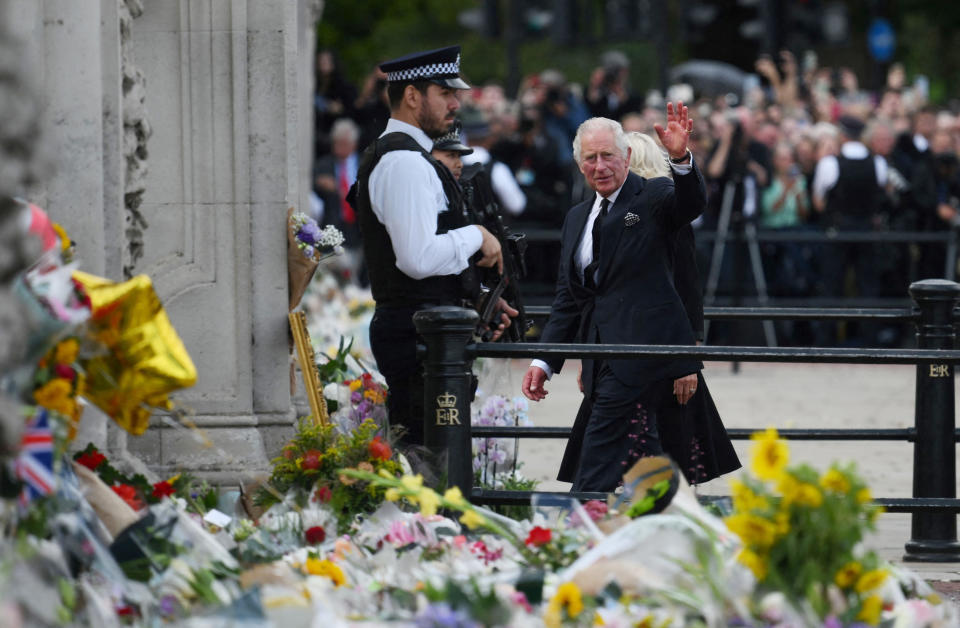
393, 339
622, 429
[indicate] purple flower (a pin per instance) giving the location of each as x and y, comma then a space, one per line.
356, 396
443, 616
309, 233
307, 251
168, 605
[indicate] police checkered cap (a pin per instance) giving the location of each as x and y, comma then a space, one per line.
441, 66
452, 141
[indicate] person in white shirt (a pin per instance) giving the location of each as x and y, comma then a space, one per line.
416, 238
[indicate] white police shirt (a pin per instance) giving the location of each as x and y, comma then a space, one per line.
406, 196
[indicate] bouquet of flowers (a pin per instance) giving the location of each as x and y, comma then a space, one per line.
310, 465
354, 401
802, 533
314, 243
58, 381
307, 245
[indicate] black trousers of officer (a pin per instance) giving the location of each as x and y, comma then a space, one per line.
393, 339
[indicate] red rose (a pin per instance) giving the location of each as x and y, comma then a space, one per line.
65, 371
163, 489
288, 454
379, 450
323, 494
128, 494
311, 459
538, 536
315, 535
91, 460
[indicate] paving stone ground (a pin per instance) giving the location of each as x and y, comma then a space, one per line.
783, 396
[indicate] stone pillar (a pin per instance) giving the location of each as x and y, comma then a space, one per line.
189, 114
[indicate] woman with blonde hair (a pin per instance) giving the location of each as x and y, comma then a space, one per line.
691, 431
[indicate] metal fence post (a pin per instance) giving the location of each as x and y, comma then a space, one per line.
933, 536
448, 387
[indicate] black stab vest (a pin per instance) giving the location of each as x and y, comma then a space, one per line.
390, 285
856, 197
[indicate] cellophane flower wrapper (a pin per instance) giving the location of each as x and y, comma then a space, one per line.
55, 308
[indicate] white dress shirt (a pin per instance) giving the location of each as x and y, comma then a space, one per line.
406, 196
828, 169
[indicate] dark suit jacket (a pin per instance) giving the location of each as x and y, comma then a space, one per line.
635, 301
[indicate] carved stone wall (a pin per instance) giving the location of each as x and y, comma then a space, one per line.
214, 90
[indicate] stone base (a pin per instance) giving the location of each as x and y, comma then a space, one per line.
226, 451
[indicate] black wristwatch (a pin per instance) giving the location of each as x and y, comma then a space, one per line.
682, 160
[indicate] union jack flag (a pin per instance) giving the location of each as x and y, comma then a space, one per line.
34, 465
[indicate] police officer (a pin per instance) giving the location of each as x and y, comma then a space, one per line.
416, 239
449, 150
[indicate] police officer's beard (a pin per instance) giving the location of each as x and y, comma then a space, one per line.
434, 127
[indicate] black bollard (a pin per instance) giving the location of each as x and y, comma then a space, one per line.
447, 389
933, 535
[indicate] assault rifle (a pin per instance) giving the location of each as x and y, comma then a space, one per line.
484, 210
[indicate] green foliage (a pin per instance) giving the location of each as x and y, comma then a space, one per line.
511, 482
335, 369
313, 460
403, 26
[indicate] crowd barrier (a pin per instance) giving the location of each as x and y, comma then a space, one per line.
450, 351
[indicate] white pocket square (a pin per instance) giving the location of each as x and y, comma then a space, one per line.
631, 219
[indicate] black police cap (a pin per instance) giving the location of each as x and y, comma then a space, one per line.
440, 66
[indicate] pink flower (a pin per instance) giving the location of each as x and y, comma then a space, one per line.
520, 599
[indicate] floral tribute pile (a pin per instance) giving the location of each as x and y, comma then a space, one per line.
346, 534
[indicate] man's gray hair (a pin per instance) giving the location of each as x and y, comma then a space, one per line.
601, 124
345, 127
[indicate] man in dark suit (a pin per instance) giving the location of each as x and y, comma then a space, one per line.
615, 286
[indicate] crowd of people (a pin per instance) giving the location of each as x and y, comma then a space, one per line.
802, 149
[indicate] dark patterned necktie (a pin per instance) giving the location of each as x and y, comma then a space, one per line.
591, 269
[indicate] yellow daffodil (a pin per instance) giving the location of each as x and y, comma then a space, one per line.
391, 495
752, 530
355, 385
808, 495
744, 499
568, 597
770, 455
871, 580
781, 522
552, 617
864, 496
848, 575
835, 481
317, 567
754, 562
788, 487
870, 611
472, 519
429, 500
412, 482
66, 352
454, 496
55, 395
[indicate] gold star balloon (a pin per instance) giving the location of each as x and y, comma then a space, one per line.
144, 359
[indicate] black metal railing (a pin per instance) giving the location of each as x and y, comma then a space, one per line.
447, 332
